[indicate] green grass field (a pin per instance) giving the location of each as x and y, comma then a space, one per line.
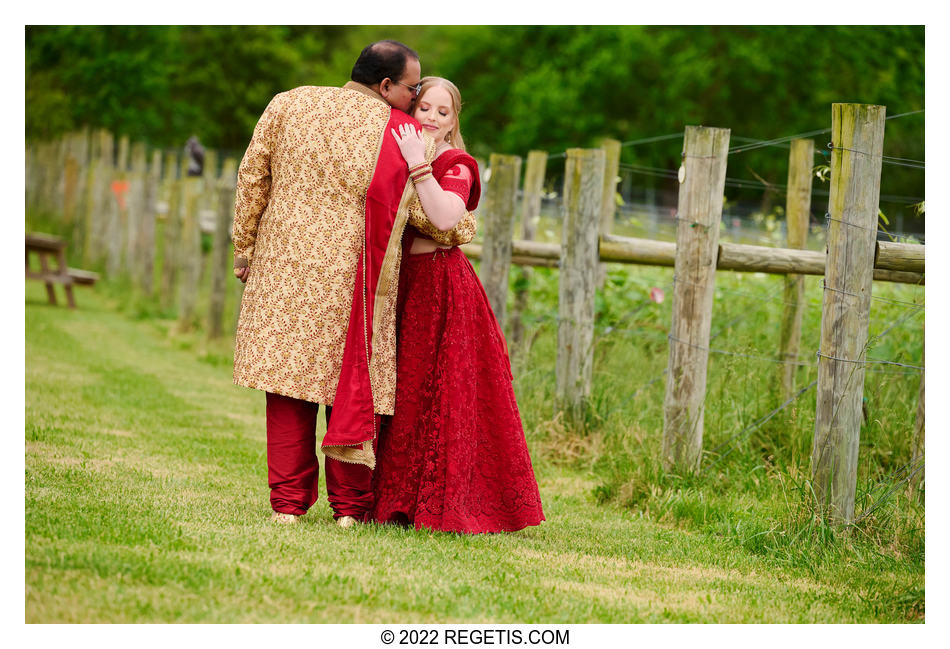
146, 495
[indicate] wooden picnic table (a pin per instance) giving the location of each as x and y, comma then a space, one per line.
47, 247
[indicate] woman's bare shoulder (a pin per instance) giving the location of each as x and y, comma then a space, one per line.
449, 151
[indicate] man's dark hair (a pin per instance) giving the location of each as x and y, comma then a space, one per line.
380, 60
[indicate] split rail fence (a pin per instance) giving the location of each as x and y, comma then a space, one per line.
853, 259
115, 201
138, 214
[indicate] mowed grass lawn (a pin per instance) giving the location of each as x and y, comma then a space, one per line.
147, 501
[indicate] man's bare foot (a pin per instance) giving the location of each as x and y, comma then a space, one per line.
285, 519
346, 521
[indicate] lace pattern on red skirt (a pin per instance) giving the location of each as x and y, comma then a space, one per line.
453, 457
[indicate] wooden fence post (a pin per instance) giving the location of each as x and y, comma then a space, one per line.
31, 170
918, 456
91, 198
221, 266
122, 159
100, 177
47, 173
858, 140
583, 188
699, 211
145, 247
117, 216
485, 177
172, 227
85, 198
797, 211
530, 214
60, 152
608, 200
136, 211
208, 206
103, 192
502, 196
37, 175
190, 253
210, 173
49, 151
74, 174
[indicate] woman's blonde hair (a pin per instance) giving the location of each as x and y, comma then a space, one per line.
454, 136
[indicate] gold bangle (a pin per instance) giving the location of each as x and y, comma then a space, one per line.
419, 179
421, 171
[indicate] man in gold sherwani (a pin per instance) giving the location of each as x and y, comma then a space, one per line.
300, 231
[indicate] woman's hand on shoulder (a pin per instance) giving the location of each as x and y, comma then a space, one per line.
411, 144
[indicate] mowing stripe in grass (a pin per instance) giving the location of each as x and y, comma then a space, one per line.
147, 502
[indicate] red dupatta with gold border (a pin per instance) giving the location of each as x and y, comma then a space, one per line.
353, 427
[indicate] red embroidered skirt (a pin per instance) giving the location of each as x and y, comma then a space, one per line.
453, 457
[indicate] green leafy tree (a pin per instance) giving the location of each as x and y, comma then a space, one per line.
525, 87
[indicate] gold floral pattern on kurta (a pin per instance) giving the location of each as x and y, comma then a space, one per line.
299, 225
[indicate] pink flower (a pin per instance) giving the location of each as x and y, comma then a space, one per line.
656, 294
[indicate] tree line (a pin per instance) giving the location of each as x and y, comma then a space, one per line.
524, 87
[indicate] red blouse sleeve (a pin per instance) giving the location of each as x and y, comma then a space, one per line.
458, 180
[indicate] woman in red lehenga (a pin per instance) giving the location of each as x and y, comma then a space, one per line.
453, 457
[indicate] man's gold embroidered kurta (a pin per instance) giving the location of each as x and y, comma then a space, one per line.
299, 225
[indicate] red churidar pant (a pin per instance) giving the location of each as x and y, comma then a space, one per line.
293, 470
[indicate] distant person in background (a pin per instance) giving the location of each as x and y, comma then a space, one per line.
196, 156
321, 191
453, 457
